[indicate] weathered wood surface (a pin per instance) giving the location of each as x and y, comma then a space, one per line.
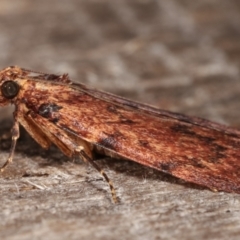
179, 55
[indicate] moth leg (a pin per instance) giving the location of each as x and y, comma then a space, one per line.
87, 159
15, 136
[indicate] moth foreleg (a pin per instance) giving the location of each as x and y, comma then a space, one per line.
87, 159
15, 136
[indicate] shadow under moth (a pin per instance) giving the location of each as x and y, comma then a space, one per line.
81, 121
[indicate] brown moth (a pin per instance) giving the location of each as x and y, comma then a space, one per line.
80, 121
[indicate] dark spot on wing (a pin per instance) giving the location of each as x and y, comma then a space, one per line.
108, 142
219, 153
46, 109
187, 130
49, 111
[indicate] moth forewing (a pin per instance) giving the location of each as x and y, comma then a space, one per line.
80, 120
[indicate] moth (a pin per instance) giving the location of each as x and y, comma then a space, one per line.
82, 121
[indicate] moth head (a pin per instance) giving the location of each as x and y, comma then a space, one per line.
9, 90
9, 87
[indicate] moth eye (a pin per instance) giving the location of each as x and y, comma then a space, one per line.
9, 89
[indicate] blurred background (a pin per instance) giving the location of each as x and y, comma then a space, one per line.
180, 55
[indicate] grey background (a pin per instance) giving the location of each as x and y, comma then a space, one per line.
180, 55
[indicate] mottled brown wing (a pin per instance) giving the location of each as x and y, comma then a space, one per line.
154, 111
192, 149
